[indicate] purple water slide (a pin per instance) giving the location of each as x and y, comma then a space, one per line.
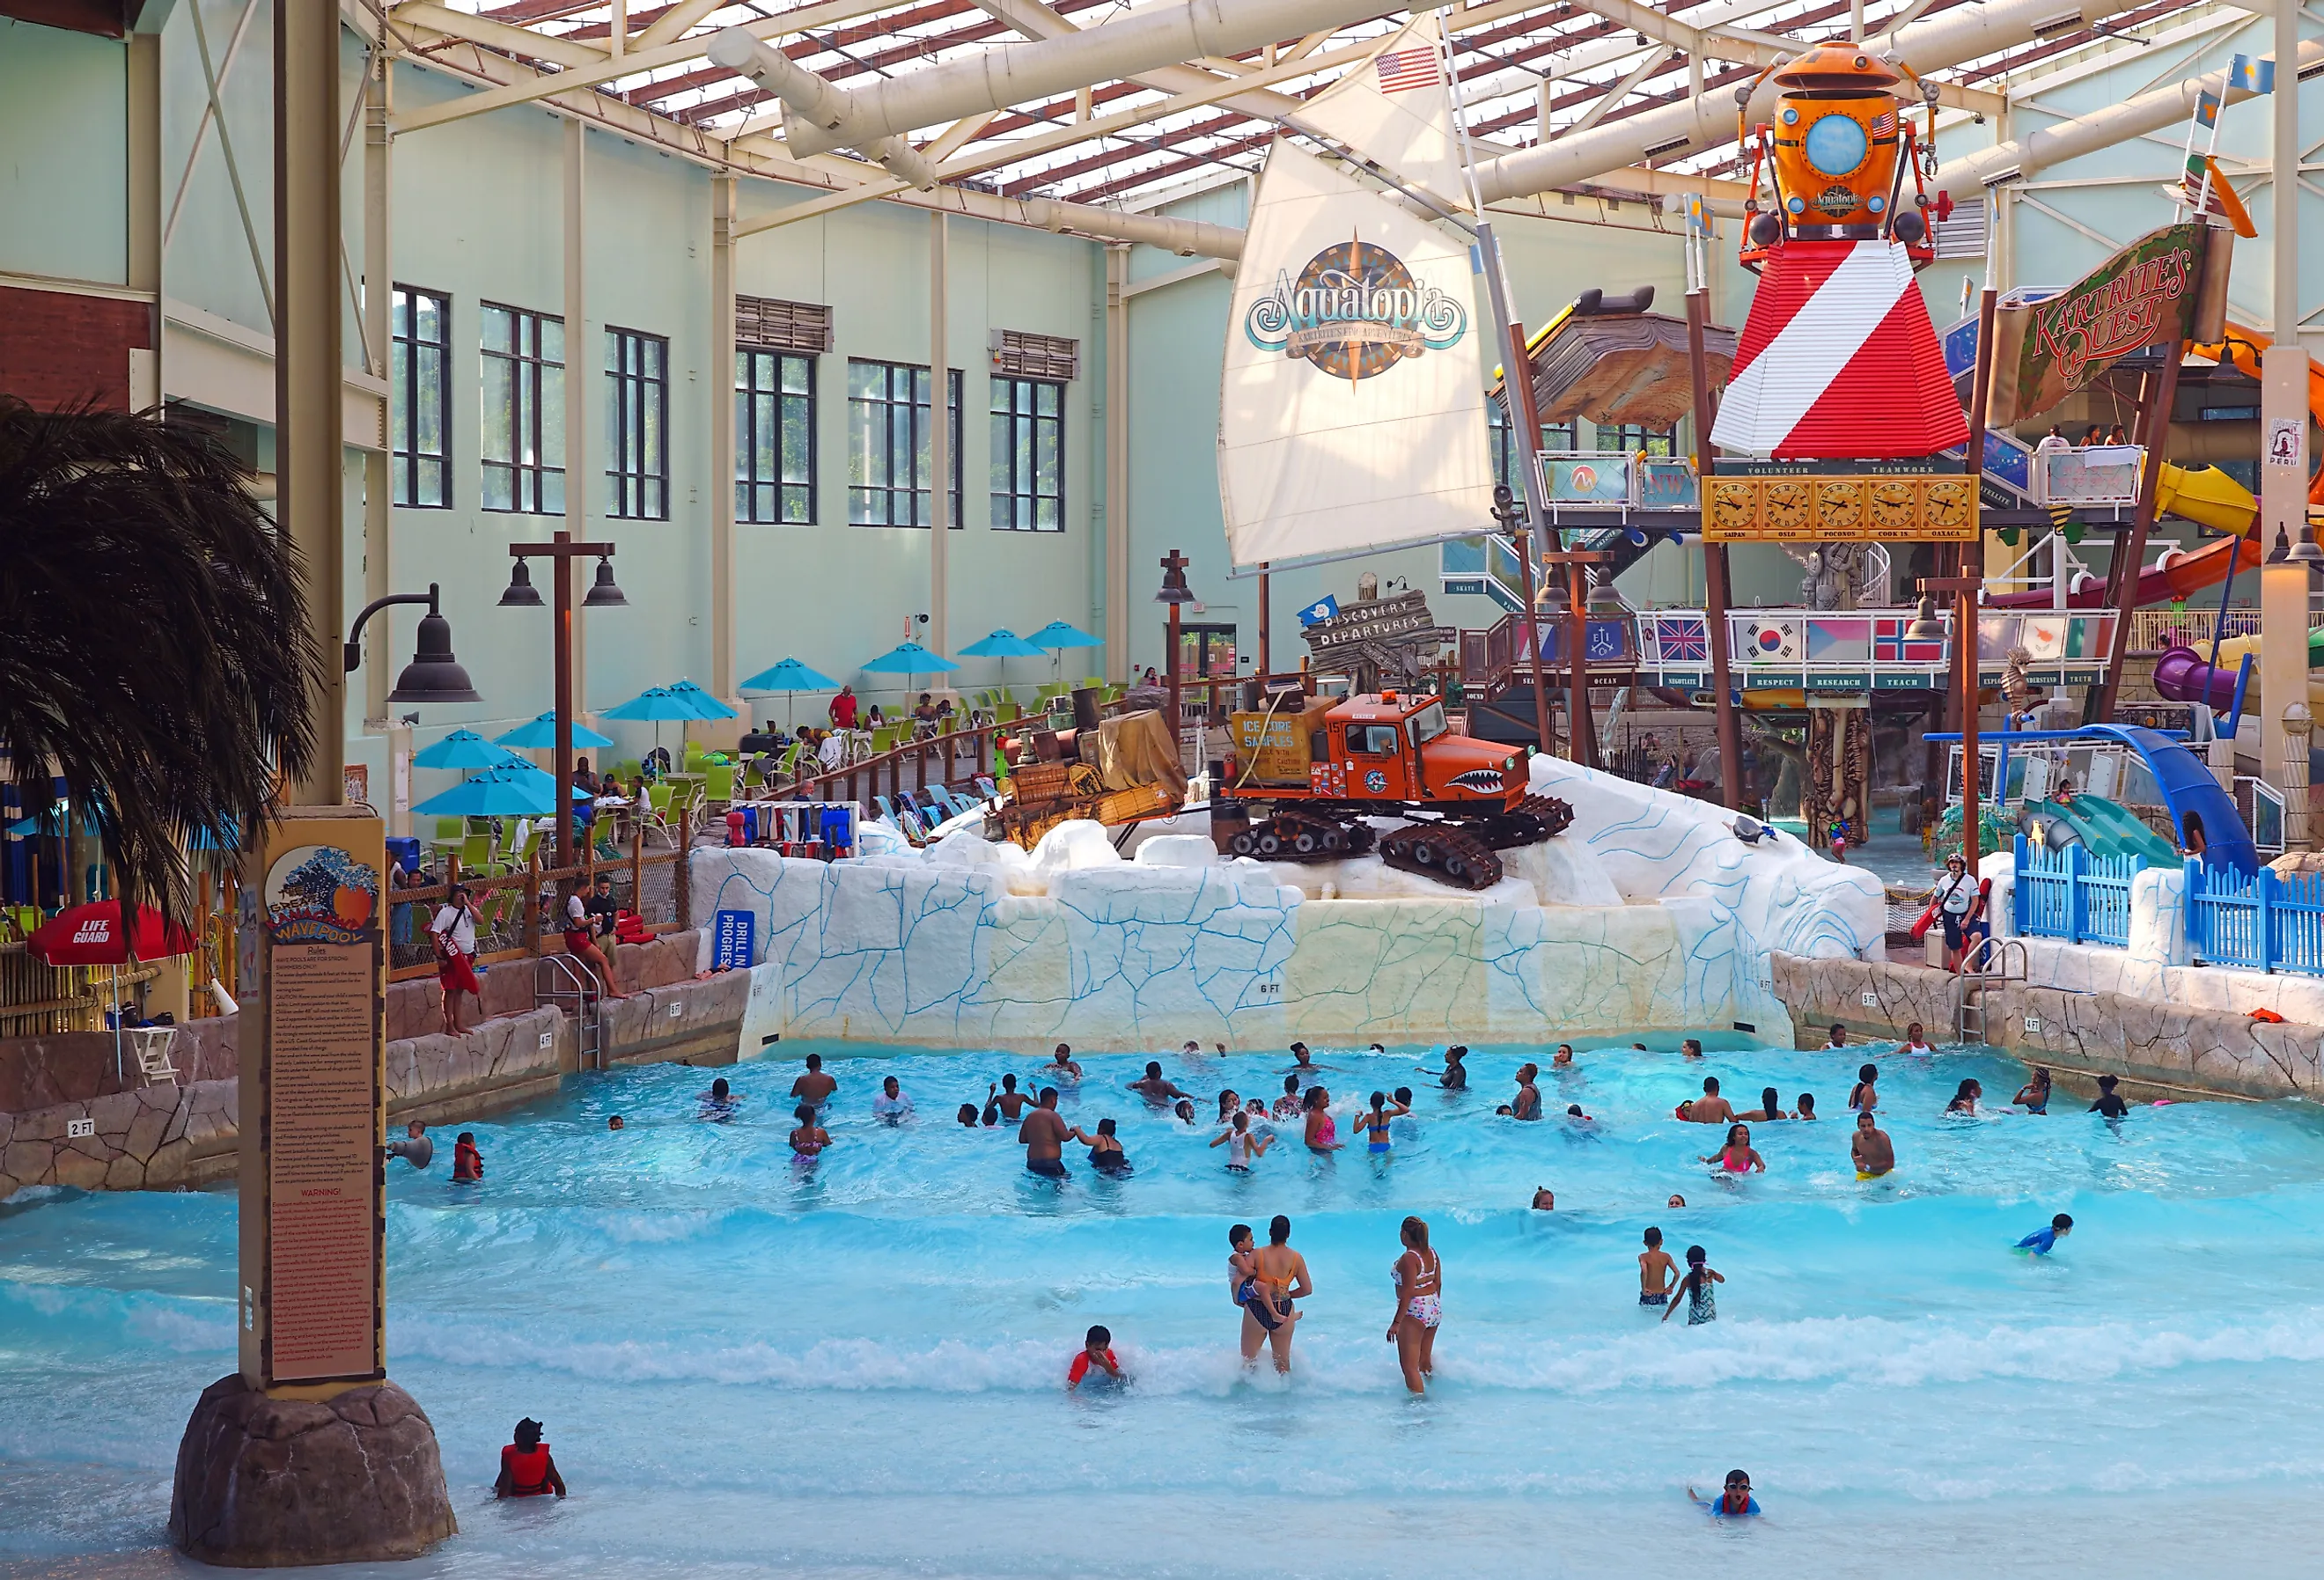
2182, 675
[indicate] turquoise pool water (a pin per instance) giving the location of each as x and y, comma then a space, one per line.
857, 1369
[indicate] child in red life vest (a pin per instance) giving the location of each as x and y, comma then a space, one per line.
468, 1163
1097, 1350
526, 1469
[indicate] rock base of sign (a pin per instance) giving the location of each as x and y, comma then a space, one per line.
268, 1482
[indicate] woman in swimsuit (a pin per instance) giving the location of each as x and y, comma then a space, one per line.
1736, 1156
1374, 1125
1229, 1101
1862, 1096
1419, 1279
808, 1140
1281, 1275
1322, 1130
1105, 1154
1965, 1099
1771, 1107
1702, 1306
1249, 1290
1287, 1105
1241, 1146
2033, 1096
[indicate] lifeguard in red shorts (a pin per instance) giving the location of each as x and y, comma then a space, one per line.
455, 932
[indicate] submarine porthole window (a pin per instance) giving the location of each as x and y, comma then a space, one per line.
1835, 145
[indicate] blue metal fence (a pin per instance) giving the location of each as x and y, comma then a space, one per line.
2074, 895
2263, 921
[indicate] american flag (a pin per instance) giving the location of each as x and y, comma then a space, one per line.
1402, 69
1884, 124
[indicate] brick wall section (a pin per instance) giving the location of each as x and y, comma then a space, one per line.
59, 350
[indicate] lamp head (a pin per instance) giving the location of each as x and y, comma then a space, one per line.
433, 675
521, 594
1174, 580
604, 595
1926, 625
2307, 551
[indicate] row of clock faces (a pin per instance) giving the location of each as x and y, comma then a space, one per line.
1839, 506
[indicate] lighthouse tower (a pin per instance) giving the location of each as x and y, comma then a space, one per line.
1837, 359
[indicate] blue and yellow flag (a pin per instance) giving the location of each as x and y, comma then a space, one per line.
2252, 76
2206, 110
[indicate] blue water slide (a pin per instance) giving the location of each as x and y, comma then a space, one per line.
2188, 790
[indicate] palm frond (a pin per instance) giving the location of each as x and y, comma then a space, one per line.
154, 648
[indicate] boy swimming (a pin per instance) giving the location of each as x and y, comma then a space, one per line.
2042, 1241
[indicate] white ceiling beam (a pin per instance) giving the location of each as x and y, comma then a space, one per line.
1621, 89
672, 24
496, 35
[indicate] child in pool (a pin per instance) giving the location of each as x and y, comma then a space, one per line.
1243, 1148
1701, 1307
2033, 1096
1737, 1156
1735, 1501
1863, 1096
2042, 1241
468, 1163
1373, 1125
1097, 1350
809, 1139
1656, 1272
1807, 1105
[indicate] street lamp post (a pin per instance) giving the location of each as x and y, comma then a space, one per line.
562, 551
433, 675
1174, 592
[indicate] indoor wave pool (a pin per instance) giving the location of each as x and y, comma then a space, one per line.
748, 1365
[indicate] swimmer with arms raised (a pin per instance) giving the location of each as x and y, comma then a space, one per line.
1007, 1099
1242, 1147
1374, 1123
1044, 1136
1874, 1153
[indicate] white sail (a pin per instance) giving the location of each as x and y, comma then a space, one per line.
1352, 413
1395, 110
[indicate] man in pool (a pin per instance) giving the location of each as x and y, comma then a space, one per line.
1528, 1101
1044, 1136
1061, 1066
1711, 1108
2042, 1241
413, 1146
814, 1088
1157, 1088
1874, 1153
1005, 1097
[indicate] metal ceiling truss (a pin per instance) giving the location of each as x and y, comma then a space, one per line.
1637, 96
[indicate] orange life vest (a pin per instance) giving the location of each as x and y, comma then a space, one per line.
527, 1471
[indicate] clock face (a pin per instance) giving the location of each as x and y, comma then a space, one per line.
1731, 506
1839, 506
1784, 506
1946, 505
1891, 508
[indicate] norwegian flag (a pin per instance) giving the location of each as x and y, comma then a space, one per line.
1889, 646
1401, 71
1884, 124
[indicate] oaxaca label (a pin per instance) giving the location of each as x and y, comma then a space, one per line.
1355, 310
2147, 294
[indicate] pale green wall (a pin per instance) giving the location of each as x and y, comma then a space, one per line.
64, 155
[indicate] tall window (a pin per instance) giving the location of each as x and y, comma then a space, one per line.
1561, 436
774, 436
637, 422
1029, 455
420, 399
1629, 438
523, 409
888, 464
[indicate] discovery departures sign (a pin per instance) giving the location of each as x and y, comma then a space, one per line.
1355, 310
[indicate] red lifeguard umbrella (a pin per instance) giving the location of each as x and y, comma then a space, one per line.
93, 935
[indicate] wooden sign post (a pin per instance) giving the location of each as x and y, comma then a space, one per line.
314, 1103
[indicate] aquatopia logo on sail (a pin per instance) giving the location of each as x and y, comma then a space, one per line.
1355, 310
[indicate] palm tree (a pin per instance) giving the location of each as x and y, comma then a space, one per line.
154, 650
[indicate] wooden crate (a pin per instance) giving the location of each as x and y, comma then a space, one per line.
1127, 806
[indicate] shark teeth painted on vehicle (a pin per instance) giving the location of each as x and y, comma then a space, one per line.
1478, 779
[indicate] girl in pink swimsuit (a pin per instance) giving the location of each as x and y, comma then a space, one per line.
1419, 1279
1322, 1130
1736, 1156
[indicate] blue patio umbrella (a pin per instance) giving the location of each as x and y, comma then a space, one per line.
659, 704
460, 749
497, 792
789, 677
1057, 636
909, 659
541, 735
1003, 645
705, 705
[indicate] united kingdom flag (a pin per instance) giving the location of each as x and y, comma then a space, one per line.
1889, 644
1682, 640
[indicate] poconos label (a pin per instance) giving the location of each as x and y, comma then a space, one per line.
1354, 311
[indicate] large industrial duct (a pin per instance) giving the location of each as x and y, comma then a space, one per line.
819, 116
1931, 45
2149, 112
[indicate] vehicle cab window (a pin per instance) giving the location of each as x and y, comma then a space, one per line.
1372, 740
1427, 724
